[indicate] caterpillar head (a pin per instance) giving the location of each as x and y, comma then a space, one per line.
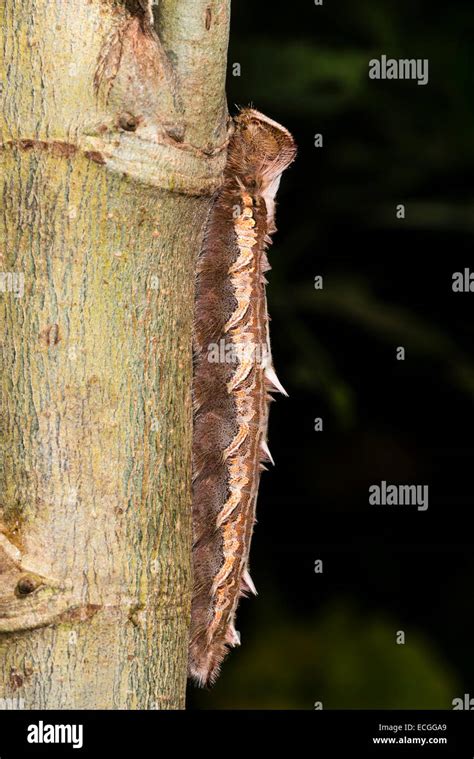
260, 151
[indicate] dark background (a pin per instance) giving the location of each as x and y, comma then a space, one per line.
331, 637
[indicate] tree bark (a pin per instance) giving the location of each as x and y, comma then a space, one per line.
113, 133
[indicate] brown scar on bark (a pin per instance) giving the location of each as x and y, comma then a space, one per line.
16, 679
141, 9
79, 613
51, 335
110, 57
208, 18
94, 155
55, 147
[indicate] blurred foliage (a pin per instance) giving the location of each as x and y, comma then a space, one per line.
351, 299
342, 658
314, 79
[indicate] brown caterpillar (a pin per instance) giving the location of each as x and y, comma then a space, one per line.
233, 379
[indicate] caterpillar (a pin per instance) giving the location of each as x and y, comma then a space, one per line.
232, 385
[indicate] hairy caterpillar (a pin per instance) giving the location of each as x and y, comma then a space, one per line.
233, 379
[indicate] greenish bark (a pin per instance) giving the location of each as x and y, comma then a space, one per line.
107, 165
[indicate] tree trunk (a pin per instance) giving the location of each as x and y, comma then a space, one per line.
113, 134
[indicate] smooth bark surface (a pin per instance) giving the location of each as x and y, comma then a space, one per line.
107, 166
